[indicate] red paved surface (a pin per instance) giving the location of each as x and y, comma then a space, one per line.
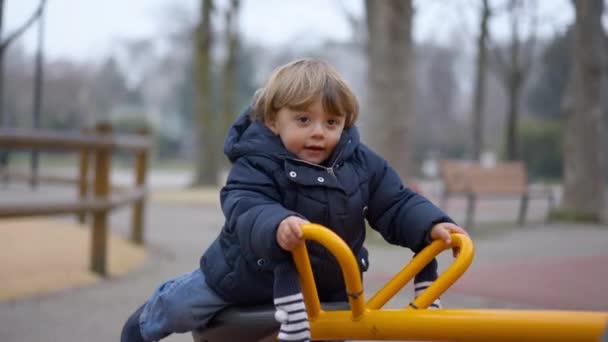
573, 283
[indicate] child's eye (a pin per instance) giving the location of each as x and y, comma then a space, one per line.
302, 119
333, 122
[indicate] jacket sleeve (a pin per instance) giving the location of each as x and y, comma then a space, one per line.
399, 214
252, 206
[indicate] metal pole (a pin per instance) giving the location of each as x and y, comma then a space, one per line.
38, 96
3, 153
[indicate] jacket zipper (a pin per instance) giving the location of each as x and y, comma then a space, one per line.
329, 170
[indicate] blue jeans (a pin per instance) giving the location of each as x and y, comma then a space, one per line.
179, 305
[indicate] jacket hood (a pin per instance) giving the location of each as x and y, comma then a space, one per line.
247, 137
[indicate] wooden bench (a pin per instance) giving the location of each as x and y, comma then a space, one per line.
470, 179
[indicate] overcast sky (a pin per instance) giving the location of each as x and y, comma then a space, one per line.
86, 29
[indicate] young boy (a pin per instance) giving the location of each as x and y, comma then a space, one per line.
296, 158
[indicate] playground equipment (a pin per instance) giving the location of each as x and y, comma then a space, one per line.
361, 320
97, 196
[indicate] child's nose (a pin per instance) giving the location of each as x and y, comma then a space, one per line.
317, 130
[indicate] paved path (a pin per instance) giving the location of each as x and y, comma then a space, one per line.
541, 267
514, 268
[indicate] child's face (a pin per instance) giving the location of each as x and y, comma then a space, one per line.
311, 134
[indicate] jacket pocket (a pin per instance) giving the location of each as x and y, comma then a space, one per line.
217, 269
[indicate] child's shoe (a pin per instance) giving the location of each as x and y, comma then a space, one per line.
131, 332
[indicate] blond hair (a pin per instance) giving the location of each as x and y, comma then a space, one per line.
299, 84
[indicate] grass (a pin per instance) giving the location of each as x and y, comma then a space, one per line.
22, 159
564, 215
173, 165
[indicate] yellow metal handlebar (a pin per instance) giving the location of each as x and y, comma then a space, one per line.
449, 277
347, 261
367, 321
352, 278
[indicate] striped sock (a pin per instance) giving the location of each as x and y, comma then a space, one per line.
424, 279
289, 302
291, 313
420, 286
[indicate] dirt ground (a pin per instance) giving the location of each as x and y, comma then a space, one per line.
40, 256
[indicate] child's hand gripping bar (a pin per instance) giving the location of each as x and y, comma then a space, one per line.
439, 286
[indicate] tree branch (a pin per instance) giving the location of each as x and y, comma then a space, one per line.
529, 56
357, 25
501, 67
19, 31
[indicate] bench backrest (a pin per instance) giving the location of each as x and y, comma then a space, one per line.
455, 175
470, 177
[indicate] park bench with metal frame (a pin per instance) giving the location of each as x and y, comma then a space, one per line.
473, 180
368, 320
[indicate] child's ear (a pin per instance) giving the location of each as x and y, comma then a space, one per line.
272, 125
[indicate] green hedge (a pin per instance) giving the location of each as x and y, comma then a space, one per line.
541, 144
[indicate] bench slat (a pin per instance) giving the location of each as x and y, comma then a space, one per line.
505, 178
469, 177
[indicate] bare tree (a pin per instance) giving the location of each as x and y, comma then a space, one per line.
513, 69
6, 42
436, 95
110, 88
391, 79
67, 95
18, 89
208, 162
357, 25
229, 77
584, 168
37, 103
480, 80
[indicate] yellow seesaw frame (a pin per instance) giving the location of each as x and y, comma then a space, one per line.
368, 321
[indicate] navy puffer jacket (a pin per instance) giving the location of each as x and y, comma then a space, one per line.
267, 183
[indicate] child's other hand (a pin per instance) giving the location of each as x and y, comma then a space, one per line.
289, 233
443, 230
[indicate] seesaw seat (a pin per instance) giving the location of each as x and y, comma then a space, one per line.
251, 323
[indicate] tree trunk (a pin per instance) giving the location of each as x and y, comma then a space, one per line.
3, 154
391, 80
514, 93
37, 103
229, 77
5, 42
513, 69
513, 83
229, 110
584, 173
3, 115
208, 148
2, 50
480, 82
